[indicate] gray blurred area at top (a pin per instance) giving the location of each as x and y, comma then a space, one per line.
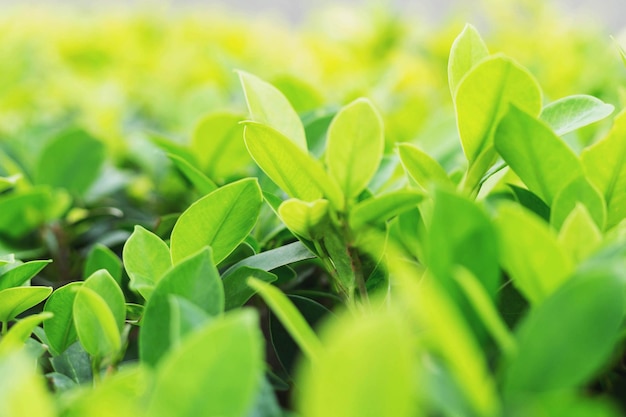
610, 14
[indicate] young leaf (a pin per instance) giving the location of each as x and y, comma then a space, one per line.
540, 158
579, 234
530, 253
21, 331
21, 274
221, 220
289, 316
200, 181
60, 329
482, 99
335, 386
573, 112
572, 333
272, 259
215, 372
146, 259
423, 168
379, 209
103, 284
355, 146
96, 325
14, 301
289, 167
268, 106
72, 161
236, 288
578, 191
467, 50
195, 279
305, 219
101, 257
605, 166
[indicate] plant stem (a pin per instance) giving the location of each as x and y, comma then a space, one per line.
4, 328
95, 370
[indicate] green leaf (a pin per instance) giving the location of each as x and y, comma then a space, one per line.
540, 158
146, 259
7, 183
221, 220
268, 106
96, 325
290, 168
217, 143
60, 329
531, 253
21, 274
14, 301
215, 372
23, 392
605, 166
483, 96
101, 257
195, 279
236, 288
103, 284
7, 259
289, 316
572, 333
423, 168
355, 146
579, 234
308, 220
529, 200
20, 332
200, 181
335, 384
72, 160
185, 318
272, 259
74, 363
573, 112
381, 208
467, 50
578, 191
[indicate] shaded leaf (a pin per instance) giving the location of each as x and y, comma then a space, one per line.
101, 257
236, 289
200, 181
381, 208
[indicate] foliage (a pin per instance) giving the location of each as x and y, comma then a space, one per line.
377, 236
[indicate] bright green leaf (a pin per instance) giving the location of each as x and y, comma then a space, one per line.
573, 112
289, 316
467, 50
605, 166
185, 317
96, 326
21, 331
579, 234
355, 146
195, 279
60, 329
579, 191
305, 219
221, 220
101, 257
423, 168
533, 151
236, 288
379, 209
215, 372
146, 259
275, 258
103, 284
483, 97
291, 168
14, 301
531, 253
21, 274
200, 181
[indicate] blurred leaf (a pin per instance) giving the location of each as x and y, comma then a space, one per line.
221, 220
605, 166
289, 167
236, 289
305, 219
215, 372
96, 326
72, 160
467, 50
578, 191
540, 158
146, 259
101, 257
381, 208
355, 146
185, 317
579, 233
529, 200
195, 279
9, 182
268, 106
531, 253
573, 112
20, 332
200, 181
423, 168
60, 329
14, 301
